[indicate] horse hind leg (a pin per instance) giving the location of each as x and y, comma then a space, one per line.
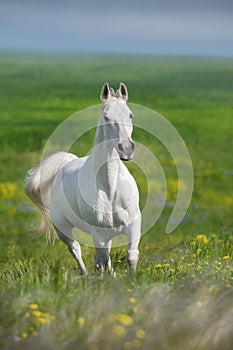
74, 248
109, 264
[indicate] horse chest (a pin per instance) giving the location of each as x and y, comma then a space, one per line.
107, 200
110, 213
103, 210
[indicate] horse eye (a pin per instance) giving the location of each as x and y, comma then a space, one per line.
131, 115
106, 118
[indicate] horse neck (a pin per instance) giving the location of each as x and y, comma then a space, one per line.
105, 162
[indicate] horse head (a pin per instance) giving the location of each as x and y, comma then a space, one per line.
116, 118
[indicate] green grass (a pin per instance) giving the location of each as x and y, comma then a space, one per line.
181, 297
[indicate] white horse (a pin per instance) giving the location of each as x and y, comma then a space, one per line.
96, 194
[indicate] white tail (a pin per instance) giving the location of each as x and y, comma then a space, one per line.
38, 184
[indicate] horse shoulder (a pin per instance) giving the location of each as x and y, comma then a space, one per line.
126, 205
127, 179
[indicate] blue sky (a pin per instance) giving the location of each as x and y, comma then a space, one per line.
190, 27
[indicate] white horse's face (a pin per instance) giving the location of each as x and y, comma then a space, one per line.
117, 121
118, 127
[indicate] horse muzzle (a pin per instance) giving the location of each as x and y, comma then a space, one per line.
126, 149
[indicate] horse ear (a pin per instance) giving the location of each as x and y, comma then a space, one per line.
105, 92
122, 92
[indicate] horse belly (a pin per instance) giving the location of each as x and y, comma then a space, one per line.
63, 204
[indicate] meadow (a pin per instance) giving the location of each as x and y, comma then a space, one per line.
181, 296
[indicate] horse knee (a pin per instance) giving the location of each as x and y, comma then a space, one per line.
74, 246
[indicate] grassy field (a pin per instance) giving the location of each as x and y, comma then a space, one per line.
181, 297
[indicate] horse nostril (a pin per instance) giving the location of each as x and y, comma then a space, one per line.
120, 147
132, 146
129, 148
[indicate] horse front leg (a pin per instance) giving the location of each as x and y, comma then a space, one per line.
133, 233
102, 258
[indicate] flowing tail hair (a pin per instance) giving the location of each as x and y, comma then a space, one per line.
38, 184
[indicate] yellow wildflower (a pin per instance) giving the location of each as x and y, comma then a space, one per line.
33, 306
48, 316
136, 343
132, 300
37, 313
140, 334
42, 320
119, 330
202, 238
24, 335
126, 320
158, 266
226, 257
81, 321
8, 190
128, 345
